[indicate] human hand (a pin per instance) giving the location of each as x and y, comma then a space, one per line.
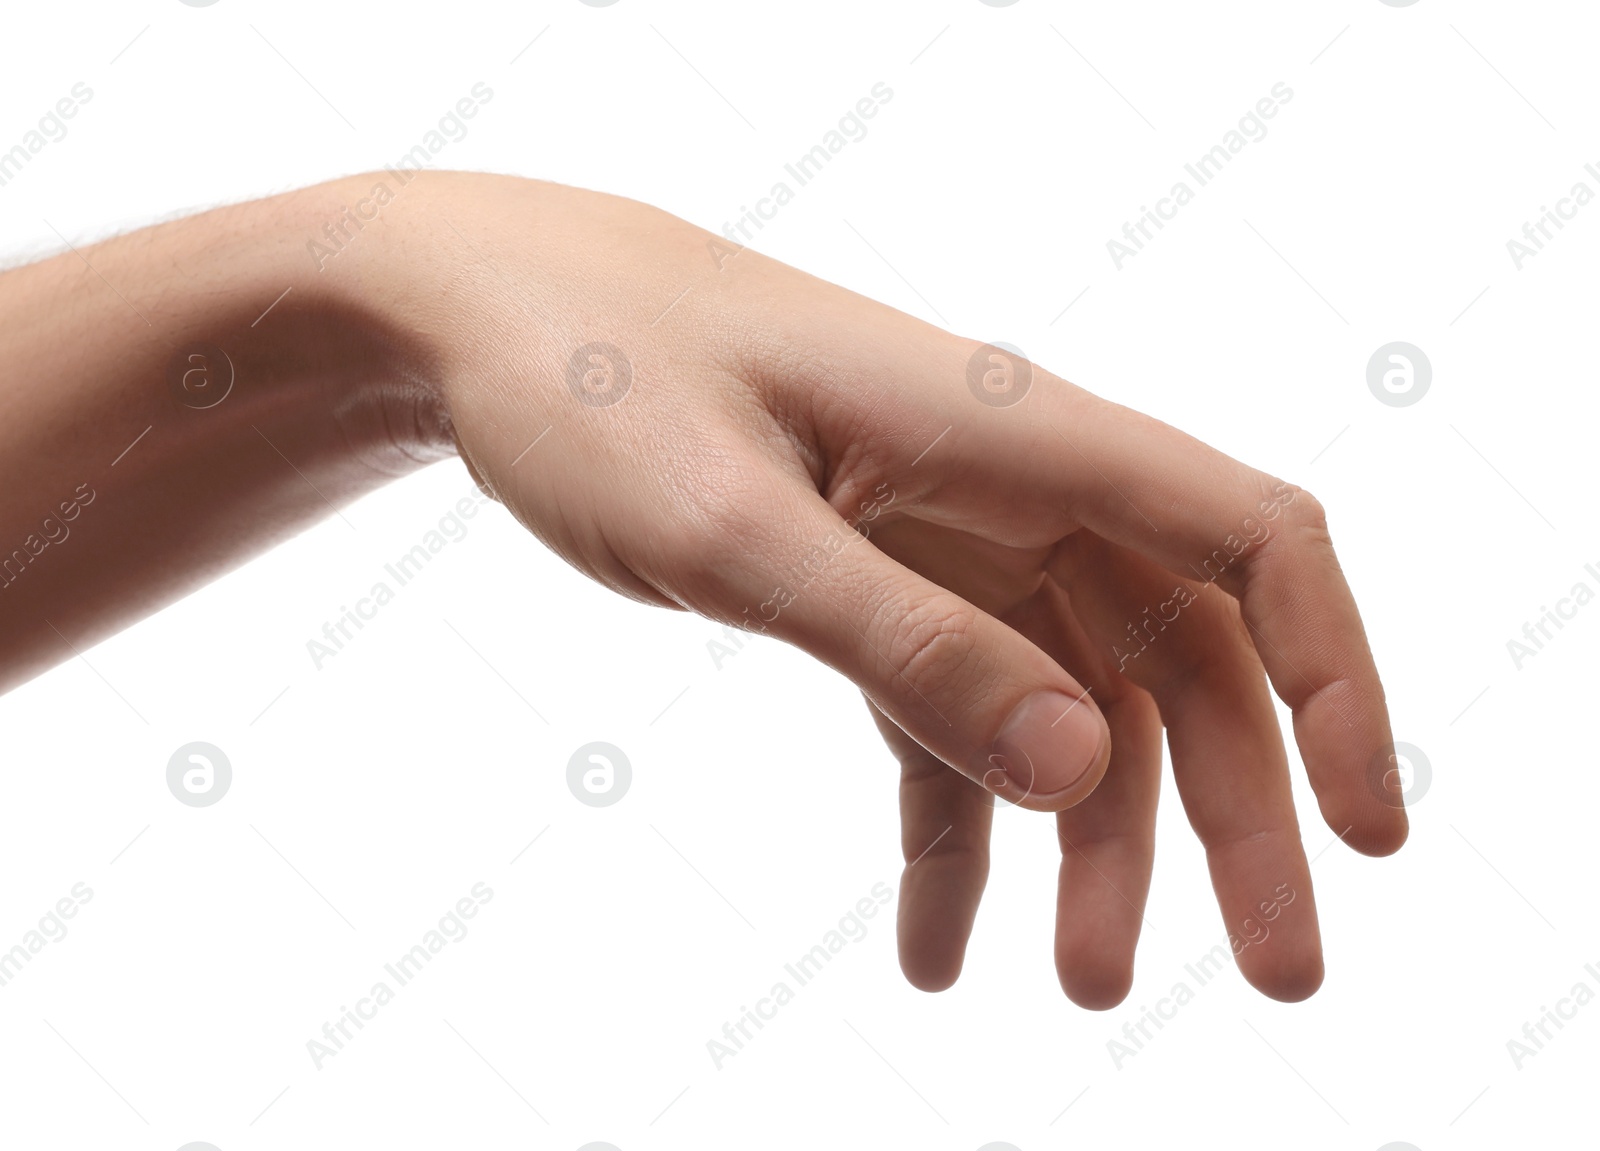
1025, 592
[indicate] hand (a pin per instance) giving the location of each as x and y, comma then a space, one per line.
1025, 592
1025, 581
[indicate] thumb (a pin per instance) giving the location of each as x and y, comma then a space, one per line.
965, 686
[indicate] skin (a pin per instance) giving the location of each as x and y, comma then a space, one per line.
788, 457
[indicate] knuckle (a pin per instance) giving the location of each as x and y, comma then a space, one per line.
1133, 845
1213, 651
921, 769
961, 846
1300, 532
934, 642
1307, 514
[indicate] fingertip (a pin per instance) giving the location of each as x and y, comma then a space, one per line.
1287, 967
1383, 845
930, 977
931, 935
932, 982
1095, 989
1290, 984
1373, 819
1376, 835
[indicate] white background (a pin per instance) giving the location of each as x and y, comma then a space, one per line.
370, 795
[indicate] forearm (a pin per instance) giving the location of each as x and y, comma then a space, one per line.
131, 470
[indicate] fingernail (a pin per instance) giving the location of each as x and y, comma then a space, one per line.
1045, 746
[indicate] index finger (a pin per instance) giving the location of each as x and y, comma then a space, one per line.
1266, 543
1054, 458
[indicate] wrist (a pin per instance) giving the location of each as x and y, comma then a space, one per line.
360, 253
423, 253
